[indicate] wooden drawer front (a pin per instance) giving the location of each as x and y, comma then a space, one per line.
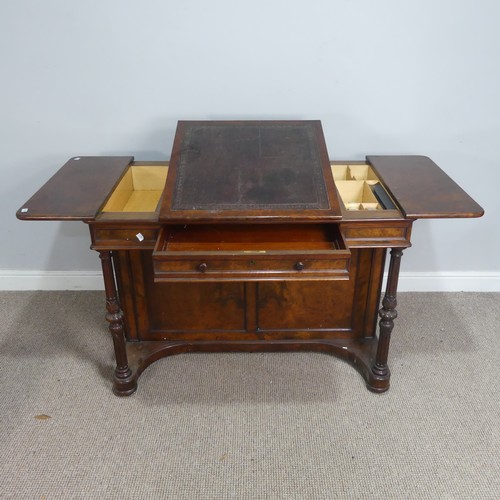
226, 253
130, 238
369, 234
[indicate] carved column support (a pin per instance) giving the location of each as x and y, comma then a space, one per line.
387, 315
123, 382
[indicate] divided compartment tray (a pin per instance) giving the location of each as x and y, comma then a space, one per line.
357, 195
360, 188
228, 252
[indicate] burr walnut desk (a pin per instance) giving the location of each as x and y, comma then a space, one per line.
250, 239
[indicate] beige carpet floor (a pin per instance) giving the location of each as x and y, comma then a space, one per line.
249, 426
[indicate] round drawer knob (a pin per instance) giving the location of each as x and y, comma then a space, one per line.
299, 266
203, 267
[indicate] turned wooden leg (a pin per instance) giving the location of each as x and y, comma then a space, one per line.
123, 384
387, 315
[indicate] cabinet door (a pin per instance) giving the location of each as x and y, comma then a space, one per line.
324, 309
170, 311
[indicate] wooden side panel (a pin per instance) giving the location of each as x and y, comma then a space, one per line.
125, 283
422, 189
77, 191
374, 291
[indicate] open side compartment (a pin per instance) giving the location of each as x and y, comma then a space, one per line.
360, 188
225, 252
139, 190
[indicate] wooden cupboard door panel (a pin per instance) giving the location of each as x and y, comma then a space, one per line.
323, 305
201, 307
160, 311
323, 309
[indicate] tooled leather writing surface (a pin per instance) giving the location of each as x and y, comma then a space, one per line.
249, 166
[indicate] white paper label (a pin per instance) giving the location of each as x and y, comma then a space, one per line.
139, 236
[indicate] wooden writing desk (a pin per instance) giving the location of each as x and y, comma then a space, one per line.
250, 240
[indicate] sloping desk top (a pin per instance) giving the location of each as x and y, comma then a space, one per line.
249, 170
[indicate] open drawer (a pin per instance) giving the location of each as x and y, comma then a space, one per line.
228, 252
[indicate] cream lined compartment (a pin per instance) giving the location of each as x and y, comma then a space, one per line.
357, 185
139, 190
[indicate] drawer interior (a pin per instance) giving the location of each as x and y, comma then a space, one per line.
258, 239
360, 188
139, 190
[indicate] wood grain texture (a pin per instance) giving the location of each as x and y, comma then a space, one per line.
422, 190
77, 191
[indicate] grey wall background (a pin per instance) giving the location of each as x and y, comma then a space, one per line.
386, 77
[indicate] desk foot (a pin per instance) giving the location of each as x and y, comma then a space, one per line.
124, 388
378, 384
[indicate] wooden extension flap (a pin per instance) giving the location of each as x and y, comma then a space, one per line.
77, 191
422, 189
